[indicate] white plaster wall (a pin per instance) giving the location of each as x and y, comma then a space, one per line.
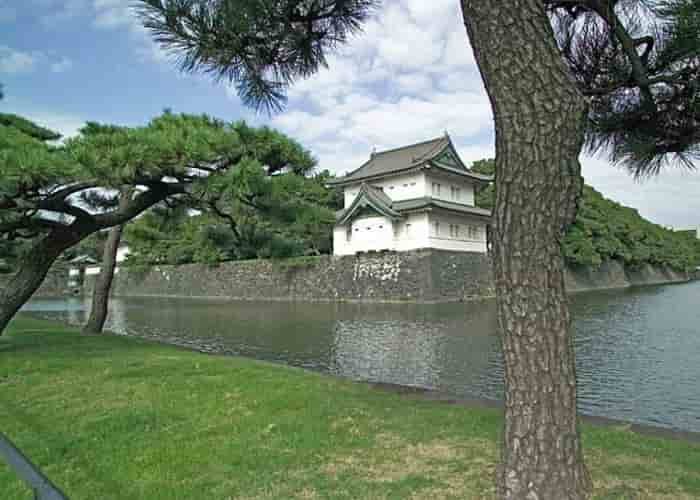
368, 233
400, 187
404, 187
466, 187
464, 243
92, 271
122, 253
418, 185
380, 233
417, 235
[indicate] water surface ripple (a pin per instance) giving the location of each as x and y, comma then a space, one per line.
638, 350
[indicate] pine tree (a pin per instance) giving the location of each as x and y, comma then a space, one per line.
615, 75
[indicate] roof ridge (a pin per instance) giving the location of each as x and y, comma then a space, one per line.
429, 155
394, 150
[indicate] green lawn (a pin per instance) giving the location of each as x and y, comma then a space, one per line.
110, 417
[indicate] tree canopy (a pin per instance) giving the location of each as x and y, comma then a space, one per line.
261, 46
606, 230
293, 216
55, 195
638, 61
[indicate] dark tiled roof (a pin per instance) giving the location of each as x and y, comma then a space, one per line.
427, 202
376, 199
406, 158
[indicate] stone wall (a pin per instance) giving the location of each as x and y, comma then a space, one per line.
55, 284
418, 276
613, 274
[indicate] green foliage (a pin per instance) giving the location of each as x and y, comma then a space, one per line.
638, 61
485, 197
28, 128
27, 160
275, 150
605, 230
169, 146
225, 426
162, 238
269, 205
261, 46
279, 216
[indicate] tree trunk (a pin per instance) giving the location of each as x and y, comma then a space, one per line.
32, 272
103, 283
539, 116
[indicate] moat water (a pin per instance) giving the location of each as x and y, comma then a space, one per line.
638, 350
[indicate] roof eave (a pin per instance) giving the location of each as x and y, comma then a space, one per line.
366, 199
359, 180
485, 179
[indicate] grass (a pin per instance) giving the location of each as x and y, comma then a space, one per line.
118, 418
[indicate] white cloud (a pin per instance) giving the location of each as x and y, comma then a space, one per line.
471, 152
425, 45
62, 65
56, 12
670, 199
103, 15
391, 86
14, 61
410, 76
308, 127
414, 83
113, 14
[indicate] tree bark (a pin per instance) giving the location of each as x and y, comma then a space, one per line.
539, 116
38, 261
103, 283
32, 272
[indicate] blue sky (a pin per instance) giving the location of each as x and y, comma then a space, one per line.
410, 76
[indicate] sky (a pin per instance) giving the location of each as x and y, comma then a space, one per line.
410, 76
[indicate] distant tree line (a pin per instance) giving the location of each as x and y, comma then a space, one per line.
606, 230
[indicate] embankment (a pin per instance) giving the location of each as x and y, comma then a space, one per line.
419, 276
55, 284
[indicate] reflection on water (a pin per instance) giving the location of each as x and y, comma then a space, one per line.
638, 351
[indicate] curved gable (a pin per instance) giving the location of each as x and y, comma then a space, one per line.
372, 199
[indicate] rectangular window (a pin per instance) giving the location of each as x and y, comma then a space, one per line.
457, 228
436, 189
413, 184
408, 230
436, 228
473, 232
456, 193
